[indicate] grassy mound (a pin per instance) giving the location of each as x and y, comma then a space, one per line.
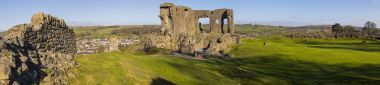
279, 61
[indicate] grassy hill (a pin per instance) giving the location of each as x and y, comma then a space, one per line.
96, 31
280, 61
258, 29
126, 31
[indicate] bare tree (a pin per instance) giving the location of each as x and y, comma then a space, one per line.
370, 25
369, 29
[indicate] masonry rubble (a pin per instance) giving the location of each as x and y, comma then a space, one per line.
40, 52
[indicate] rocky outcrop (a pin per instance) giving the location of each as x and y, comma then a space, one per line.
182, 31
40, 52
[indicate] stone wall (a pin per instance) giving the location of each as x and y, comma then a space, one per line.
182, 32
40, 52
114, 44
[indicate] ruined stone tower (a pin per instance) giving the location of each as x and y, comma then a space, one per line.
182, 32
114, 44
40, 52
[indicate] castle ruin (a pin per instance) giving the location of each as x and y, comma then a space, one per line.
182, 31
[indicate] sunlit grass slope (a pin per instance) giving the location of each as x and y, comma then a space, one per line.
126, 68
280, 61
328, 51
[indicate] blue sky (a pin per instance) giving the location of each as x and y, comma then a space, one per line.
127, 12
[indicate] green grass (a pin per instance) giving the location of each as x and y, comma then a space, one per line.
99, 31
327, 51
127, 68
258, 29
281, 61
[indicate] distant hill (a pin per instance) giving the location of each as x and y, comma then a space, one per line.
114, 31
321, 27
252, 29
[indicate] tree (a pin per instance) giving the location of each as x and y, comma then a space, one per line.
370, 25
349, 31
336, 29
369, 29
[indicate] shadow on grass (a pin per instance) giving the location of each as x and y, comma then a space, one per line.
367, 47
275, 70
202, 75
161, 81
334, 43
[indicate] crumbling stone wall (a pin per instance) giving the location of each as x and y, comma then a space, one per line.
114, 44
40, 52
182, 32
